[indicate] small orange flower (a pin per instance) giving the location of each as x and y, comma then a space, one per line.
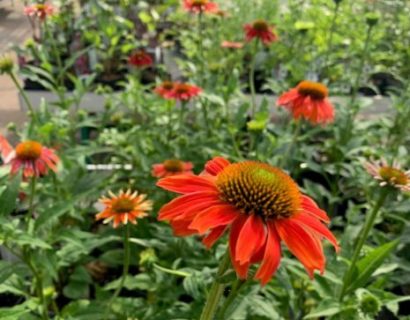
31, 156
124, 207
165, 89
260, 29
231, 45
140, 59
200, 6
309, 100
389, 175
259, 204
184, 91
171, 167
39, 10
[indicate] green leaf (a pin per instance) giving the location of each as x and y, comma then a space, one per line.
173, 272
369, 264
8, 198
326, 308
13, 313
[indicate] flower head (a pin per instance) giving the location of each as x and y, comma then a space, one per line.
171, 167
259, 204
200, 6
30, 156
231, 45
184, 91
309, 101
140, 59
165, 89
39, 10
124, 207
389, 175
6, 64
260, 29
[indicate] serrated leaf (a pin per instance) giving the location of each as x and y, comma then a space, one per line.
8, 198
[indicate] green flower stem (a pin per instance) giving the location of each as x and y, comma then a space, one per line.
126, 265
298, 125
181, 115
169, 110
215, 293
33, 183
252, 79
329, 45
237, 285
364, 233
201, 49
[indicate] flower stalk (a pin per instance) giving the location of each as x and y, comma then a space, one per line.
252, 79
364, 233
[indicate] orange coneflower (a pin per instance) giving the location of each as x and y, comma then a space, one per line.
260, 29
164, 89
389, 175
259, 204
124, 207
200, 6
140, 59
309, 100
231, 45
184, 91
39, 10
171, 167
30, 156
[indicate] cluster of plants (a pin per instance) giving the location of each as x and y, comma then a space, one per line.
235, 169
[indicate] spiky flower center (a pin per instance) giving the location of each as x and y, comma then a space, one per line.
174, 165
40, 7
260, 25
199, 3
167, 85
258, 188
393, 175
29, 150
315, 90
123, 205
182, 88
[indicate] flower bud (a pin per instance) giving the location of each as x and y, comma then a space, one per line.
6, 64
372, 18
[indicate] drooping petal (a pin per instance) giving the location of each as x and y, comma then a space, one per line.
187, 184
241, 270
5, 148
216, 165
251, 238
303, 244
181, 228
213, 236
272, 255
184, 204
215, 216
315, 224
312, 208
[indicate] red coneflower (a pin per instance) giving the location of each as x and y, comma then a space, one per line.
164, 89
231, 45
200, 6
184, 91
140, 59
171, 167
389, 175
309, 101
259, 204
39, 10
124, 207
30, 156
260, 29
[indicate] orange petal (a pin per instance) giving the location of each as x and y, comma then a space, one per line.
213, 236
241, 270
187, 184
312, 208
215, 216
303, 244
272, 256
181, 228
216, 165
251, 238
315, 224
5, 147
185, 203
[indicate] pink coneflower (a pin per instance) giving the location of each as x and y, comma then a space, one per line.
171, 167
392, 176
39, 10
260, 29
30, 156
309, 100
